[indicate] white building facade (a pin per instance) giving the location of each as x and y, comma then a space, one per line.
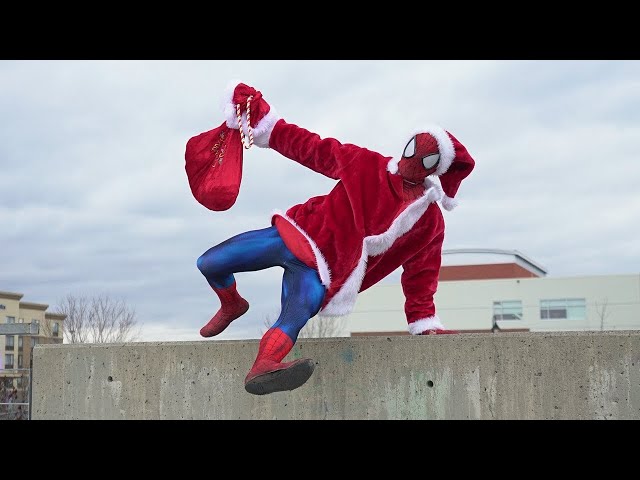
528, 300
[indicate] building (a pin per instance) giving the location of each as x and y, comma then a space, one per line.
15, 350
39, 326
482, 290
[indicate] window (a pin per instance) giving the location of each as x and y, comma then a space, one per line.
8, 360
564, 308
55, 329
9, 342
11, 319
507, 310
36, 321
34, 341
20, 360
20, 343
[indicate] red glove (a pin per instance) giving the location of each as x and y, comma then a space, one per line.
254, 107
258, 106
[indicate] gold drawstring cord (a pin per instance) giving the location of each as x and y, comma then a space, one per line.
242, 136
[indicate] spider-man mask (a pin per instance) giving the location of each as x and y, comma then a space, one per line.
420, 158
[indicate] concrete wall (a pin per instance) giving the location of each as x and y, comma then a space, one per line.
577, 375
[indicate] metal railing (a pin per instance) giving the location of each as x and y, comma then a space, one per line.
15, 394
15, 383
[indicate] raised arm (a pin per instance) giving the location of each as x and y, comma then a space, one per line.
323, 155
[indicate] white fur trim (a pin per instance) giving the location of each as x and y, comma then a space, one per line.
392, 166
424, 324
445, 145
343, 301
228, 108
449, 203
428, 183
262, 131
323, 266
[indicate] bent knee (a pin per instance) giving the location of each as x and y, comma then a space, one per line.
203, 263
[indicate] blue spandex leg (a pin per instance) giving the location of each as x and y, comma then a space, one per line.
246, 252
302, 290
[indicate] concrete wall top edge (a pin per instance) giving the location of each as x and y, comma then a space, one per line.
373, 338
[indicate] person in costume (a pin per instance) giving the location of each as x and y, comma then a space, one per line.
382, 214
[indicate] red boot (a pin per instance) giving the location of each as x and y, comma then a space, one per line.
232, 306
268, 375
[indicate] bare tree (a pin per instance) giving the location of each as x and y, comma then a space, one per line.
47, 329
316, 327
603, 313
76, 325
99, 319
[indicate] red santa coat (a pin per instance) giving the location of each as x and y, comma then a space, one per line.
363, 230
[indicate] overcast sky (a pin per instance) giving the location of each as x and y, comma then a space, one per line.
94, 198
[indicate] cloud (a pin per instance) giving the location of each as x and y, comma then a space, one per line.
95, 199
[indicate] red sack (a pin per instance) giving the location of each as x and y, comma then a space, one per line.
213, 162
213, 159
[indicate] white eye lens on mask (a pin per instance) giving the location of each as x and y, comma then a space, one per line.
410, 149
430, 161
